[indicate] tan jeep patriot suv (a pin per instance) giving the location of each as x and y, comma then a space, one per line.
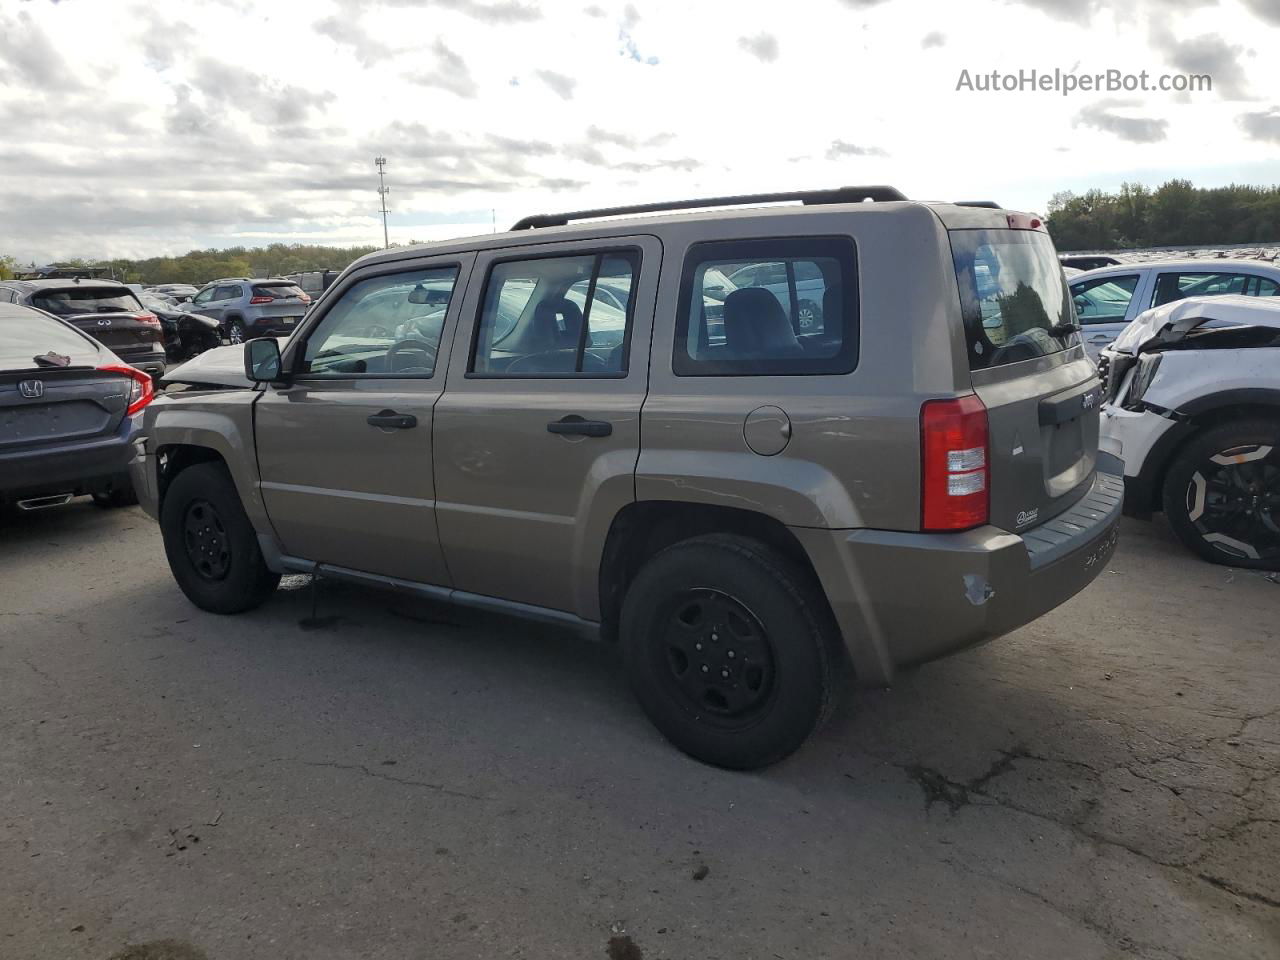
755, 445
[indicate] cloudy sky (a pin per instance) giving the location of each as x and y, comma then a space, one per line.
133, 129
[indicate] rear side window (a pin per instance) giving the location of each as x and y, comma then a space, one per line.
1176, 286
77, 301
277, 291
780, 307
1104, 299
557, 317
1013, 297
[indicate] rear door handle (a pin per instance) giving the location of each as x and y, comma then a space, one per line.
390, 420
576, 425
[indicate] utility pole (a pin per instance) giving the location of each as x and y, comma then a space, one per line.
383, 190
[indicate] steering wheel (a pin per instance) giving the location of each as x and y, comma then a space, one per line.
375, 331
411, 344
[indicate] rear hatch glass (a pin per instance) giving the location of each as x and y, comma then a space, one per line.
277, 291
1013, 296
1042, 409
77, 301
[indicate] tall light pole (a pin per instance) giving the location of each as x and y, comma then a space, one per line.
383, 190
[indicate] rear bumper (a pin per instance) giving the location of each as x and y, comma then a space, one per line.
906, 598
86, 466
146, 482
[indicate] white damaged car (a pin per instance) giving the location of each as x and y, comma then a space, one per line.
1193, 408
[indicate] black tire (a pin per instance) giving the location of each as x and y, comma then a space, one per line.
236, 332
210, 543
1227, 510
121, 496
773, 693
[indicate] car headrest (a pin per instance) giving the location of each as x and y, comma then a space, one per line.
756, 325
556, 323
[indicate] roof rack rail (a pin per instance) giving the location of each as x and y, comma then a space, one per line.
879, 194
989, 204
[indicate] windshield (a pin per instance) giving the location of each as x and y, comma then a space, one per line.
76, 301
1013, 296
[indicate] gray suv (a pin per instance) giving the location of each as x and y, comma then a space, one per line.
555, 422
247, 308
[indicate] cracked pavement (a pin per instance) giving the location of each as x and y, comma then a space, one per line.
393, 779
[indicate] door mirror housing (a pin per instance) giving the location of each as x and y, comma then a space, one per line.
262, 360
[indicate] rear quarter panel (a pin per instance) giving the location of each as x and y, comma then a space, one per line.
853, 459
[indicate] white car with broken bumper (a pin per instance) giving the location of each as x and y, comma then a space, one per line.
1193, 408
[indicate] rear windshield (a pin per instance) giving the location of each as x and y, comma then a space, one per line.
1012, 295
75, 301
27, 335
277, 291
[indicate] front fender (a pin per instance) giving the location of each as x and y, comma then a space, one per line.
217, 420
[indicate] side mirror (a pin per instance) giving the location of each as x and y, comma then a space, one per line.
262, 360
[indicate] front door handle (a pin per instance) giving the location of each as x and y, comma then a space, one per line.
1100, 338
576, 425
390, 420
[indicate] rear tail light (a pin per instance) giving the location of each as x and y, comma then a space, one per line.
141, 390
261, 299
955, 472
150, 318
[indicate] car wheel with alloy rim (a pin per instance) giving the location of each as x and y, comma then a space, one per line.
1222, 494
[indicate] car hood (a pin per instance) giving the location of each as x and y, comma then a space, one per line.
219, 367
1173, 321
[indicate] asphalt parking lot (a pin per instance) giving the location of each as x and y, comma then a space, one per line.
390, 779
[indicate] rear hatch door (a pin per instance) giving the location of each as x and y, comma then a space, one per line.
63, 397
283, 301
111, 315
1041, 393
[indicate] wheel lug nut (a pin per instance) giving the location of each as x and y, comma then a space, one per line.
715, 636
705, 668
732, 654
697, 646
725, 674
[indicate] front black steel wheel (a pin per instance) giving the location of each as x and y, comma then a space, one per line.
206, 541
1222, 495
210, 542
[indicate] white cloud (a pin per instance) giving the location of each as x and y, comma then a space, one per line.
217, 120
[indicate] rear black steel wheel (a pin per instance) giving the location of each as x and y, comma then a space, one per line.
1222, 494
731, 650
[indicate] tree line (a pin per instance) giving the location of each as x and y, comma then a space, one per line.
199, 266
1174, 214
